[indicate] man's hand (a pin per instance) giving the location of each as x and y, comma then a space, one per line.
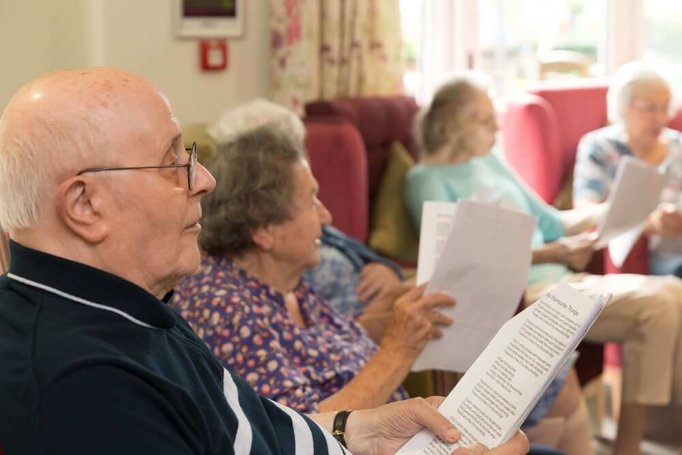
665, 221
385, 429
375, 280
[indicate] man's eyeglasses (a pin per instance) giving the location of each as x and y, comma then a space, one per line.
190, 165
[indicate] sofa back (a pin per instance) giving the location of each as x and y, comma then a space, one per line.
379, 120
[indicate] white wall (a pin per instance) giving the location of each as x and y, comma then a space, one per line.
24, 38
39, 35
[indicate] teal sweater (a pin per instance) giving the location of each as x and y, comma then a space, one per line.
451, 182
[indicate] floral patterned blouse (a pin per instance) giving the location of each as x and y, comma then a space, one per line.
245, 324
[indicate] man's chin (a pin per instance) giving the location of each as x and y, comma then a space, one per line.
190, 260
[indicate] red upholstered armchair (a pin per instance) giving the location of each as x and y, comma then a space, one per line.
339, 162
349, 172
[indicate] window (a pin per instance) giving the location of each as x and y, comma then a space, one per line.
411, 21
514, 41
526, 40
662, 36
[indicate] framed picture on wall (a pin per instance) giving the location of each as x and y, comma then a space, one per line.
208, 18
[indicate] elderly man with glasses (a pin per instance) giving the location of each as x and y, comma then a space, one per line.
92, 360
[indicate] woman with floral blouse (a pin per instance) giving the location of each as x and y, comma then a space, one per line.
249, 303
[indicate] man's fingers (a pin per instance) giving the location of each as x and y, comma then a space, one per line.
518, 445
427, 415
515, 446
475, 449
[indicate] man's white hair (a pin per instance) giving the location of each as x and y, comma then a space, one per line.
32, 155
624, 80
254, 114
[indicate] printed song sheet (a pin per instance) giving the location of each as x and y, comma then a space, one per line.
496, 394
636, 193
480, 255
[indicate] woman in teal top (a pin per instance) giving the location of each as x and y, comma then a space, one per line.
449, 182
457, 133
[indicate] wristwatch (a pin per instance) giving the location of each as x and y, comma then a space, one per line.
339, 430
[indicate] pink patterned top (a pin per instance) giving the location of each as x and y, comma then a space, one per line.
245, 324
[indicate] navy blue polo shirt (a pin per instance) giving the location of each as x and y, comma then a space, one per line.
91, 363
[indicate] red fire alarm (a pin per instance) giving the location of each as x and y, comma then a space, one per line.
213, 54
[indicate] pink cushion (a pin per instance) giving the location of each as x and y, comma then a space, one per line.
338, 161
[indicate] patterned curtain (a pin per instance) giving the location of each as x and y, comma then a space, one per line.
326, 49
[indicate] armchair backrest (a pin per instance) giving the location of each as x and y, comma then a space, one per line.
379, 120
349, 179
542, 128
339, 162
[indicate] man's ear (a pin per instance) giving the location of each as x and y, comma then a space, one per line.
263, 237
79, 206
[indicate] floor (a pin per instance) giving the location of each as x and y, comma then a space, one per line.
604, 444
603, 409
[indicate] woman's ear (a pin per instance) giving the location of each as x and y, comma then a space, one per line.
263, 237
79, 206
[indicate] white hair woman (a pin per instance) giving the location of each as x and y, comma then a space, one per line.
640, 105
458, 131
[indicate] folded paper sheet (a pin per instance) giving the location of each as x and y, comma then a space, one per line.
636, 193
480, 255
494, 397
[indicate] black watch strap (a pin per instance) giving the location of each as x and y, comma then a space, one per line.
339, 430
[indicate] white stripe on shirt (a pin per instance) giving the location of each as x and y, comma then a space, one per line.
303, 437
244, 437
73, 298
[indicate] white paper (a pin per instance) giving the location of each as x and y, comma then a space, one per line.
494, 397
483, 265
437, 219
620, 247
636, 193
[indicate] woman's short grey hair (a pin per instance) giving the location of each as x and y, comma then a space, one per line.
254, 188
448, 112
255, 114
623, 82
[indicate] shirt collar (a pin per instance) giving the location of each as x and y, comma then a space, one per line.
89, 284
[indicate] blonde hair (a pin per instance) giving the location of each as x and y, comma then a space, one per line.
446, 117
